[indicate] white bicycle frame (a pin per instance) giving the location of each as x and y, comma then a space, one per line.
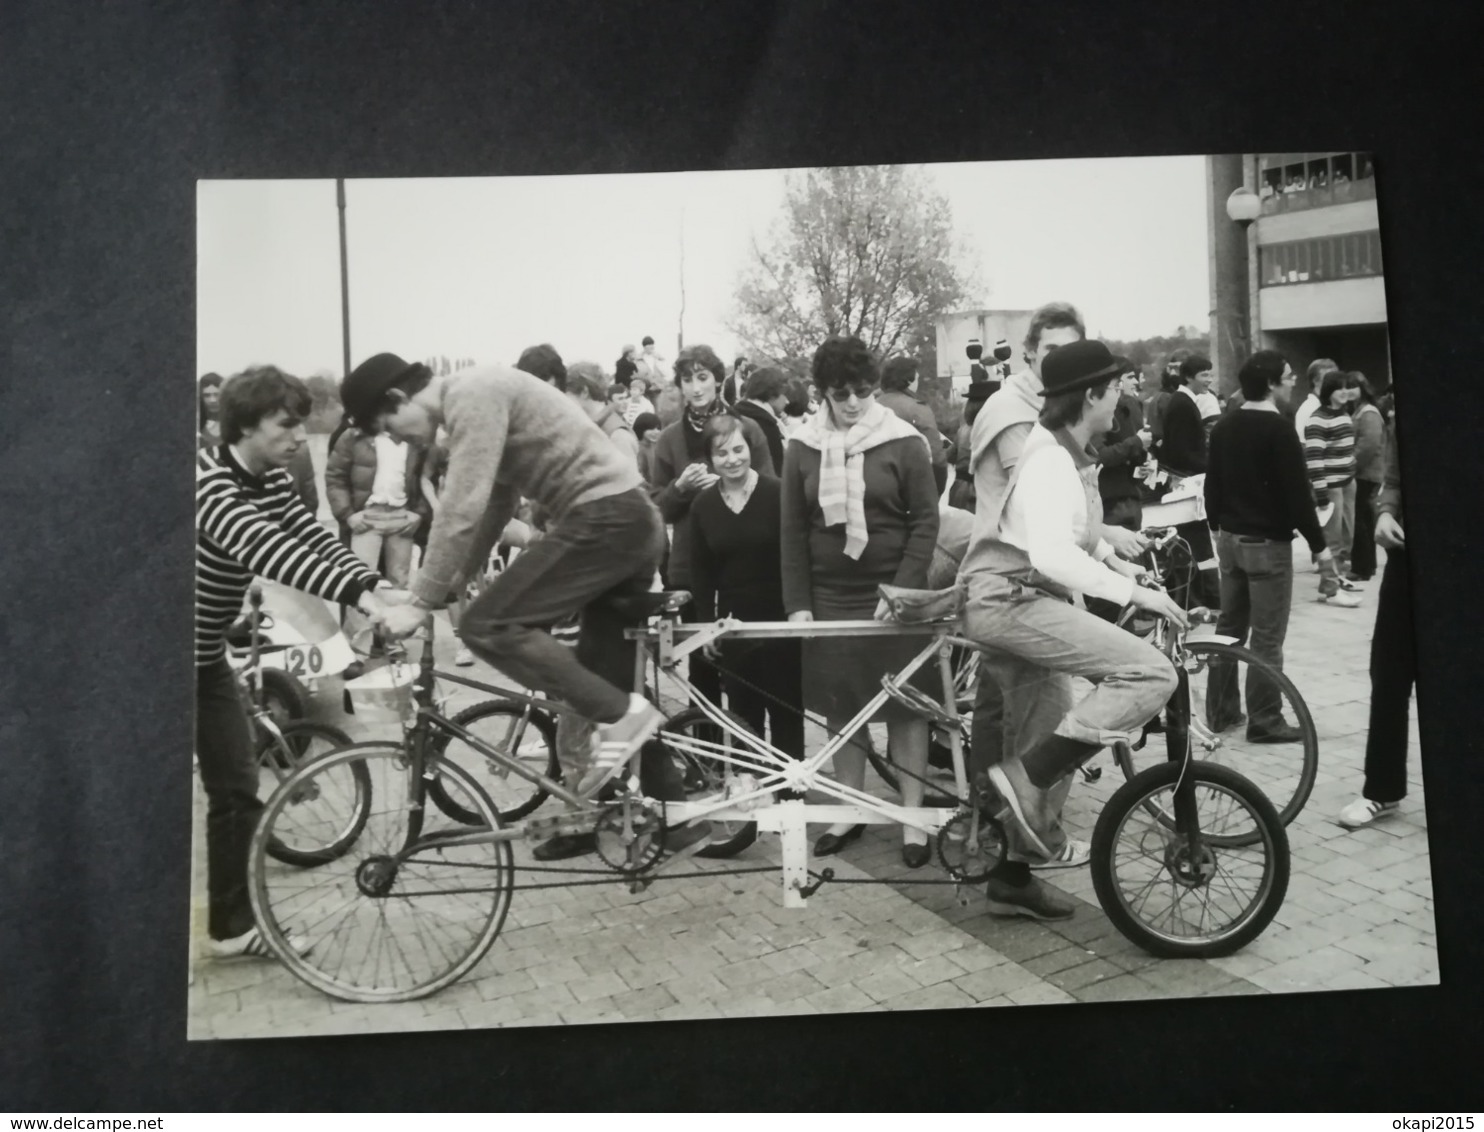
756, 772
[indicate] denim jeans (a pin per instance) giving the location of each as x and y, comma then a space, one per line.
1256, 595
1339, 532
1132, 679
229, 777
1393, 672
609, 545
1017, 705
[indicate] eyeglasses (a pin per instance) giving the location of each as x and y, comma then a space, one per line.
859, 392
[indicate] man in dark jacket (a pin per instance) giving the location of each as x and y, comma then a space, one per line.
1183, 450
763, 398
1121, 452
899, 394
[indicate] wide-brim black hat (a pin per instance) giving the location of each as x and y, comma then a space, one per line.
363, 391
1077, 365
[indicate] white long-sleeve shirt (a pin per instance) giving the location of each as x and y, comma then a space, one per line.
1046, 516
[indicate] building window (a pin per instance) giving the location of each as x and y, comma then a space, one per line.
1322, 259
1306, 180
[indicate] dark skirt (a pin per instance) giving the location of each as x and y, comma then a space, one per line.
842, 673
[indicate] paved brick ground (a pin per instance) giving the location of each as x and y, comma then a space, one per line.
1358, 914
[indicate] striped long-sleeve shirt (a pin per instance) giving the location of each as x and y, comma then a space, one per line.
1329, 450
249, 525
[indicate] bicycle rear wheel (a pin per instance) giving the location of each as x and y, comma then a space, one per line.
1204, 887
279, 756
400, 916
520, 731
1228, 684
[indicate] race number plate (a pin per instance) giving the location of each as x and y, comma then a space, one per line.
311, 662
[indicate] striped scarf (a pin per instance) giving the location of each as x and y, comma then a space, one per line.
842, 478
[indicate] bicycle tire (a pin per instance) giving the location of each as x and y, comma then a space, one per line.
1167, 855
286, 699
366, 943
704, 776
1263, 764
282, 755
515, 797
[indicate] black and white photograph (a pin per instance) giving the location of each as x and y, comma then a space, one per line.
711, 595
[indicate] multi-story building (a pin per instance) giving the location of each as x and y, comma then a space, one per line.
1311, 261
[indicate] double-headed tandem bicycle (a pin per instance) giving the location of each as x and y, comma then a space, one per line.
1188, 858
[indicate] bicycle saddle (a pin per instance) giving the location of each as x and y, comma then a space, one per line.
914, 607
643, 606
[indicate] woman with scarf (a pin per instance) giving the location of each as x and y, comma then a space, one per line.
859, 508
682, 470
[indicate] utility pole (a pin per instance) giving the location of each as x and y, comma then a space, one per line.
344, 280
680, 334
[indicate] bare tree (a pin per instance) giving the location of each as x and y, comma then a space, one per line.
862, 250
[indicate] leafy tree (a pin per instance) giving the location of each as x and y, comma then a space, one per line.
863, 250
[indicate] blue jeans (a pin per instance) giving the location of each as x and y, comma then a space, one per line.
1131, 678
1256, 595
611, 544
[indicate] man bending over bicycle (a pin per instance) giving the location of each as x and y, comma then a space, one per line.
512, 435
1023, 572
250, 521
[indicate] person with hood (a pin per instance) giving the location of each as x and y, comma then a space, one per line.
763, 400
899, 394
1018, 703
859, 510
588, 387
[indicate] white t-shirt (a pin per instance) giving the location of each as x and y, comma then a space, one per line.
1046, 516
389, 488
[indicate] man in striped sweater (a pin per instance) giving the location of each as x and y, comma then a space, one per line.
1329, 452
250, 521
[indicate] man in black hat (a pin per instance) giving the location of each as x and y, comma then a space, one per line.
511, 435
1031, 556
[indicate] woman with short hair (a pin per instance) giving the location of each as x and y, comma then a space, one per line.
860, 508
734, 537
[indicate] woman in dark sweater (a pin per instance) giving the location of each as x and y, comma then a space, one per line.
859, 508
1370, 445
681, 472
734, 543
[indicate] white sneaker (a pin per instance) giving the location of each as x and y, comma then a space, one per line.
464, 658
1342, 599
1348, 586
1074, 854
614, 743
250, 945
1363, 812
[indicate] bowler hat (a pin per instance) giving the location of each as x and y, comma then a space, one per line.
1077, 365
363, 391
979, 391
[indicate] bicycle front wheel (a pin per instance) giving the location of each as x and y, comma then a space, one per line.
279, 756
1244, 714
406, 912
1203, 887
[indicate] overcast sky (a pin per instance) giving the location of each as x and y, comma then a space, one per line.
485, 267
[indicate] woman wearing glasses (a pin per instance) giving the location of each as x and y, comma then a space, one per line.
859, 508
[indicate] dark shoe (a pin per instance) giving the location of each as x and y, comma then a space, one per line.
1283, 732
1036, 900
832, 843
680, 837
566, 845
915, 856
1226, 723
355, 669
